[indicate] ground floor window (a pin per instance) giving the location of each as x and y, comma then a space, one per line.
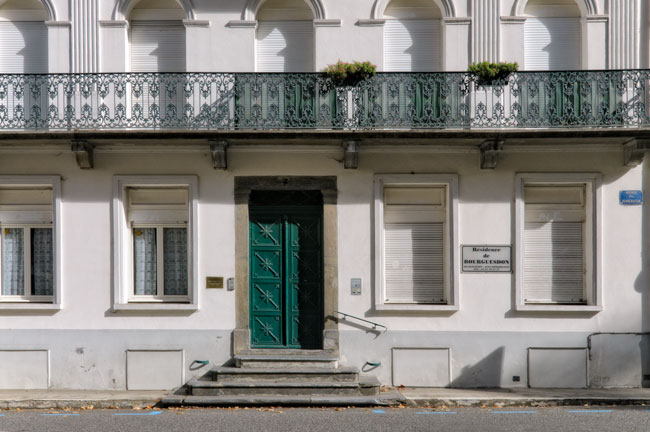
28, 239
557, 240
415, 238
155, 223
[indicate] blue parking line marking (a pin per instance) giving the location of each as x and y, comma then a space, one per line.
590, 411
59, 415
152, 413
513, 412
436, 412
379, 411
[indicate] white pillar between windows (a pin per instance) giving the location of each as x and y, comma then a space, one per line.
485, 30
594, 42
624, 30
456, 44
58, 48
114, 46
512, 40
198, 46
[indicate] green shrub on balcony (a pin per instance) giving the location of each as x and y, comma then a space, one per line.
488, 73
349, 74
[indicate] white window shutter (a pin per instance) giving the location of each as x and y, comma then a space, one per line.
554, 262
414, 259
552, 44
157, 205
412, 45
158, 46
23, 47
285, 46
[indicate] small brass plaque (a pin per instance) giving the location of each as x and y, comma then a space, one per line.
214, 282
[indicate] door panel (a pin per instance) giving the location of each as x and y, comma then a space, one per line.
266, 272
286, 277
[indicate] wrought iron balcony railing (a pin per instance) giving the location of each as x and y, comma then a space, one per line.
252, 101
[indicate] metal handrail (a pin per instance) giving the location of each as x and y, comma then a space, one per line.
374, 324
223, 101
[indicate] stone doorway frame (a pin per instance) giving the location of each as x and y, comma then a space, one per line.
243, 188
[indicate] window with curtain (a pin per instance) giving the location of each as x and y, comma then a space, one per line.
26, 244
158, 218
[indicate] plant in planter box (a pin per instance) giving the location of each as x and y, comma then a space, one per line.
349, 74
487, 73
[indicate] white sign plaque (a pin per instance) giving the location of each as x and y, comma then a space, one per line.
487, 259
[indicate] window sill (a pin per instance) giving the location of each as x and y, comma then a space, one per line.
155, 307
558, 308
417, 307
27, 306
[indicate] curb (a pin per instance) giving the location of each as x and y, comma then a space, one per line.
526, 402
77, 404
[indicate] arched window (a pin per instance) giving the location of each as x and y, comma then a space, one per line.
157, 36
285, 37
412, 36
23, 37
552, 35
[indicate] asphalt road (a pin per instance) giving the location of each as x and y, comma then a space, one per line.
588, 419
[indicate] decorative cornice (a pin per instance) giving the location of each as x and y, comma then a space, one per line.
196, 23
327, 23
242, 24
508, 19
371, 22
457, 21
58, 23
116, 23
597, 18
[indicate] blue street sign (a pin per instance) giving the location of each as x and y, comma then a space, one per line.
631, 197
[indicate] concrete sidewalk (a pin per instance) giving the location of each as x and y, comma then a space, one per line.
525, 397
59, 399
79, 399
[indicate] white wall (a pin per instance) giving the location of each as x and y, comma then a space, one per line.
216, 45
485, 217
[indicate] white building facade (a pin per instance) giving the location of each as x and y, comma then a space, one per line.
178, 185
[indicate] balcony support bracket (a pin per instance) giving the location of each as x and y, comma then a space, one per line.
219, 152
634, 151
85, 153
351, 154
490, 151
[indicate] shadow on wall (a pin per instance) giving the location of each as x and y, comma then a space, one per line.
486, 373
641, 283
34, 54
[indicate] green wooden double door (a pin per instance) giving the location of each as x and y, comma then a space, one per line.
286, 276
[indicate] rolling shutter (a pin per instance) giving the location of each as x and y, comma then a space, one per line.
552, 43
414, 263
412, 46
158, 46
554, 246
23, 47
285, 46
414, 244
553, 262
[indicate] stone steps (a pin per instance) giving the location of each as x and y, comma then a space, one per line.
341, 374
317, 359
391, 398
365, 386
288, 377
